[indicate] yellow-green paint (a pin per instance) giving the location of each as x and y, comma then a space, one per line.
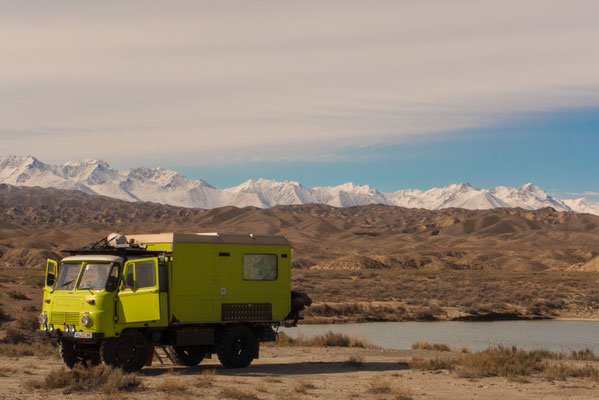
199, 281
138, 304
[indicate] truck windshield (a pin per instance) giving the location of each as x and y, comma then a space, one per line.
68, 276
94, 276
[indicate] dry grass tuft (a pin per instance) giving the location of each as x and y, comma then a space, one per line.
261, 387
3, 315
502, 361
382, 386
14, 336
18, 295
434, 364
28, 322
355, 361
584, 354
236, 394
422, 345
206, 379
6, 371
563, 371
301, 386
40, 349
99, 378
170, 385
329, 339
379, 385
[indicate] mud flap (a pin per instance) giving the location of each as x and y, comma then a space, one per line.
150, 355
256, 349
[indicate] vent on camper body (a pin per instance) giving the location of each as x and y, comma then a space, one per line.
224, 254
246, 312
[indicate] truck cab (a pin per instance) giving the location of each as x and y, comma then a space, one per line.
192, 294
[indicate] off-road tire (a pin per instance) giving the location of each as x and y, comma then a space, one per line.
187, 355
235, 349
67, 353
71, 356
128, 351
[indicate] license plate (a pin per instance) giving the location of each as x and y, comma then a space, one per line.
83, 335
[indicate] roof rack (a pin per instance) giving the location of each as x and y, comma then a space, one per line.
116, 251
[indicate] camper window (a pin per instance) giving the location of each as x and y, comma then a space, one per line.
260, 267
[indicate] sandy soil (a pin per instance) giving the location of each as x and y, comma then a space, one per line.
304, 373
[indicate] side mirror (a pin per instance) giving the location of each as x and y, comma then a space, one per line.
50, 280
111, 284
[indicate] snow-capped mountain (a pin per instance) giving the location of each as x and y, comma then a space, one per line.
169, 187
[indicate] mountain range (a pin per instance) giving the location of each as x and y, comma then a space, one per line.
164, 186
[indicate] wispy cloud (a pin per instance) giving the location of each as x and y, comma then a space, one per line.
584, 194
216, 81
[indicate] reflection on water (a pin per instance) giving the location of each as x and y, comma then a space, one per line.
551, 335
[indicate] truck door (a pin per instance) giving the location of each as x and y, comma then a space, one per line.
51, 273
139, 297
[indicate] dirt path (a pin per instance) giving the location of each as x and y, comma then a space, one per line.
301, 373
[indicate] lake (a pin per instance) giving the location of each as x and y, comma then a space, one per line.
554, 335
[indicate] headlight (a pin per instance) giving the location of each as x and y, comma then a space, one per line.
86, 320
43, 318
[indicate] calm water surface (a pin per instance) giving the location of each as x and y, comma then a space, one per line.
551, 335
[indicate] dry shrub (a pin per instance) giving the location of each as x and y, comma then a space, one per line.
502, 361
563, 371
236, 394
379, 385
422, 345
464, 350
206, 379
355, 361
14, 336
33, 308
433, 364
301, 386
18, 295
35, 280
284, 339
5, 371
329, 339
170, 385
261, 387
584, 354
4, 316
42, 349
28, 322
100, 378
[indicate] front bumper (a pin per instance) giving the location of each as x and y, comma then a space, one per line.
57, 333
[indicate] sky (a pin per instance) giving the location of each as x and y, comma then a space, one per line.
394, 94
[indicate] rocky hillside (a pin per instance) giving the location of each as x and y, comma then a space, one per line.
36, 223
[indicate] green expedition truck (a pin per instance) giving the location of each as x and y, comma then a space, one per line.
195, 294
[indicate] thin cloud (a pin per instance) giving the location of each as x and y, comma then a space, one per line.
584, 194
245, 81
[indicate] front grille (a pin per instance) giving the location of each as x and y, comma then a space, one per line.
63, 317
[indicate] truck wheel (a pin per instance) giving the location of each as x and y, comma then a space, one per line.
236, 347
70, 355
67, 353
128, 351
188, 355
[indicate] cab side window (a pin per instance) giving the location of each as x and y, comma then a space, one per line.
145, 274
140, 275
